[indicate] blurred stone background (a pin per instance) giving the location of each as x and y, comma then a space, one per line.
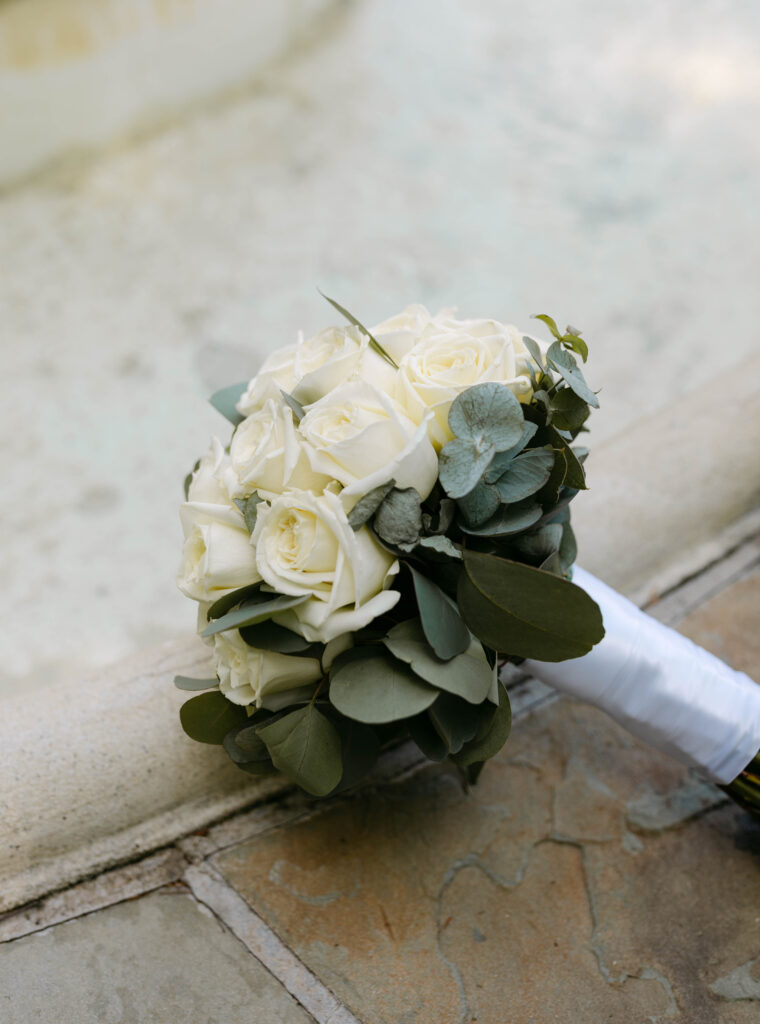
178, 176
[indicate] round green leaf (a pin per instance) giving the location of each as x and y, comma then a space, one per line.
523, 611
454, 721
186, 683
525, 475
251, 612
492, 734
466, 675
508, 520
225, 400
487, 413
461, 465
441, 622
376, 688
208, 717
305, 746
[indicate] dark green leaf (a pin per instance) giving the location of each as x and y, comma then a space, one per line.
461, 464
243, 744
186, 683
250, 613
480, 504
375, 688
225, 400
268, 636
550, 323
224, 604
352, 320
575, 343
525, 612
568, 549
549, 493
526, 474
502, 460
487, 414
189, 478
367, 505
574, 475
305, 746
249, 507
454, 720
257, 767
564, 363
398, 520
466, 675
492, 734
359, 747
552, 564
208, 717
508, 520
441, 622
539, 544
424, 734
535, 350
570, 412
541, 398
446, 513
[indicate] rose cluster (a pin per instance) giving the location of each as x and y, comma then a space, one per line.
324, 545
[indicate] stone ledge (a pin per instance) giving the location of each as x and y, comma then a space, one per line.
121, 779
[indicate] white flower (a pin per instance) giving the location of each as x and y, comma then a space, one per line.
452, 355
361, 437
217, 556
247, 674
313, 367
305, 546
399, 333
206, 483
267, 455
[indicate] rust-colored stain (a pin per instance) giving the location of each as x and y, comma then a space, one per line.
44, 33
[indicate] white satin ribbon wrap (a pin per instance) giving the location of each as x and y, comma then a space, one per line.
662, 687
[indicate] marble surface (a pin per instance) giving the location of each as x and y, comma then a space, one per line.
596, 163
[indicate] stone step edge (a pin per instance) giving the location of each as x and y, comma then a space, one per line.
98, 773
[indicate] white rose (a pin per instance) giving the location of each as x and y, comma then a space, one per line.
217, 556
361, 437
452, 355
400, 333
268, 455
305, 546
311, 368
206, 483
247, 674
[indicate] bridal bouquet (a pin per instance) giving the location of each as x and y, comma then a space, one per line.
389, 522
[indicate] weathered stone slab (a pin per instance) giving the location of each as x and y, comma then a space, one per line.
419, 903
162, 959
729, 625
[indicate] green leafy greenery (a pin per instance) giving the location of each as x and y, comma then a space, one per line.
352, 320
225, 400
486, 561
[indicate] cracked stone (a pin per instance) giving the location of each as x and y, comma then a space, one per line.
161, 958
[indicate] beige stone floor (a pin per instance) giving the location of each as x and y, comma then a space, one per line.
584, 878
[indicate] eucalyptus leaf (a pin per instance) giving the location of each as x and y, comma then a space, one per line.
398, 520
479, 504
487, 414
466, 675
269, 636
446, 513
243, 744
189, 479
359, 748
539, 544
493, 732
225, 400
524, 612
454, 720
281, 699
573, 341
305, 746
426, 737
295, 406
441, 545
231, 600
568, 548
441, 622
550, 323
502, 460
549, 493
574, 474
461, 464
541, 398
208, 717
249, 507
553, 564
249, 613
564, 363
569, 411
352, 320
508, 520
368, 504
526, 474
535, 350
187, 683
376, 688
